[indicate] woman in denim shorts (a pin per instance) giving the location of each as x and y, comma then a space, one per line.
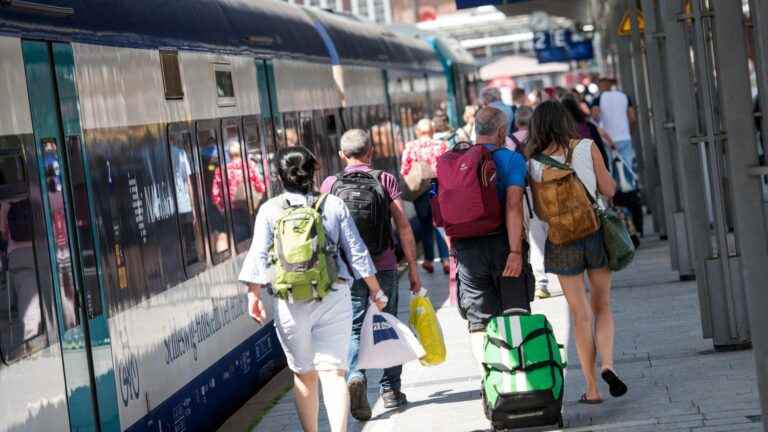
551, 131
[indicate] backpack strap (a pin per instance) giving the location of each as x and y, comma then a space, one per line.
549, 161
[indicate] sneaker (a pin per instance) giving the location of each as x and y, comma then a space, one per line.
542, 293
358, 397
393, 399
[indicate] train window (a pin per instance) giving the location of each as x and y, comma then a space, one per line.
236, 185
218, 216
21, 317
308, 131
291, 130
258, 165
169, 65
225, 87
187, 187
330, 124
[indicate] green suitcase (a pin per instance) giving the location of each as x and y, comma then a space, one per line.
523, 383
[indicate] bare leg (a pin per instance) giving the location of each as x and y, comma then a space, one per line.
600, 282
307, 403
336, 398
576, 295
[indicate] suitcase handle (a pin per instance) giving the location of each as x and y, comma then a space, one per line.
515, 311
563, 355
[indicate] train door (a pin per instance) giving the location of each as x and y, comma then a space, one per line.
271, 119
83, 332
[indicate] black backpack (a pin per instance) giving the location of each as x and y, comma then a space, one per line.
20, 221
368, 203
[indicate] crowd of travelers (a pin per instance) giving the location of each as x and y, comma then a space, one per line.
324, 279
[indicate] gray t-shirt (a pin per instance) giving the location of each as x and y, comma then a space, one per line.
340, 229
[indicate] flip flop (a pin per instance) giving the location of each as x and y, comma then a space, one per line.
616, 386
583, 399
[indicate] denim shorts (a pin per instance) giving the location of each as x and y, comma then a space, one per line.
576, 257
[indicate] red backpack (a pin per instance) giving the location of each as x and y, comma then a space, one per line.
467, 204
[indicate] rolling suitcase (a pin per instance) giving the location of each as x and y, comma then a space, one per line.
523, 382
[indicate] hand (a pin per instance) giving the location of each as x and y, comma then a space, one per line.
256, 308
514, 265
379, 299
414, 279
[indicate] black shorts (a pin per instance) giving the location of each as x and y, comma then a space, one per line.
482, 290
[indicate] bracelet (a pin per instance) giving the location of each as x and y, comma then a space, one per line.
515, 252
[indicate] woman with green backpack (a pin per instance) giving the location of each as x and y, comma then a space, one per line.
306, 251
568, 173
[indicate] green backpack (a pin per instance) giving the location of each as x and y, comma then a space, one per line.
304, 262
523, 381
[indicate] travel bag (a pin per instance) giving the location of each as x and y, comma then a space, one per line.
523, 383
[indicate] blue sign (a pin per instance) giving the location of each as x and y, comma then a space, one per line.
562, 45
464, 4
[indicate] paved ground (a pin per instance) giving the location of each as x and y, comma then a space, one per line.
676, 381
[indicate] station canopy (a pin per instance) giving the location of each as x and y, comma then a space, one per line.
576, 10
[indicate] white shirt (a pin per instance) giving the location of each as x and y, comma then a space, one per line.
340, 230
613, 115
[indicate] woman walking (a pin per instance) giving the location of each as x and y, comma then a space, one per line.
553, 133
314, 334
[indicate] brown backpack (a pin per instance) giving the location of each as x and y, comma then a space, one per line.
562, 201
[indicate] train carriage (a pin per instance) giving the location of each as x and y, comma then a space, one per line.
135, 141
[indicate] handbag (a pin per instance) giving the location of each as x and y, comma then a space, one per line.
417, 181
616, 239
386, 342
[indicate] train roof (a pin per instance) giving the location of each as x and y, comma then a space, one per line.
452, 52
261, 27
357, 42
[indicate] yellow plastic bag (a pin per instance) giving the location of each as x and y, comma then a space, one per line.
424, 322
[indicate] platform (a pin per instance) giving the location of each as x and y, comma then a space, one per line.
676, 381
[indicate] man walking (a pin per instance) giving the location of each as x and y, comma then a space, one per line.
615, 112
489, 266
491, 97
375, 193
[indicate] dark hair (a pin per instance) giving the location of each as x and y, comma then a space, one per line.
296, 169
551, 124
573, 108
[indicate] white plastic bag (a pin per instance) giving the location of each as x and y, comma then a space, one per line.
386, 342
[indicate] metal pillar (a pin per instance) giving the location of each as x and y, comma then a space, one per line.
664, 136
758, 299
688, 166
748, 263
651, 181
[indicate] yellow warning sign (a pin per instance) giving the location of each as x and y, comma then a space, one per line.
625, 26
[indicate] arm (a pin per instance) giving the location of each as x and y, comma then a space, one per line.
632, 115
254, 272
408, 241
514, 222
606, 138
605, 184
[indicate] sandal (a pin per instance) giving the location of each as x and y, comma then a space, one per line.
616, 386
583, 399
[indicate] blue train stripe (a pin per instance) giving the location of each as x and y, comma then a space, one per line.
213, 396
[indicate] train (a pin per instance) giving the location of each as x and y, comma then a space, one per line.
123, 129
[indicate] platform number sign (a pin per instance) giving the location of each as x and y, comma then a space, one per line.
562, 45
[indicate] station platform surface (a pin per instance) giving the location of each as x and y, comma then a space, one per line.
677, 382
